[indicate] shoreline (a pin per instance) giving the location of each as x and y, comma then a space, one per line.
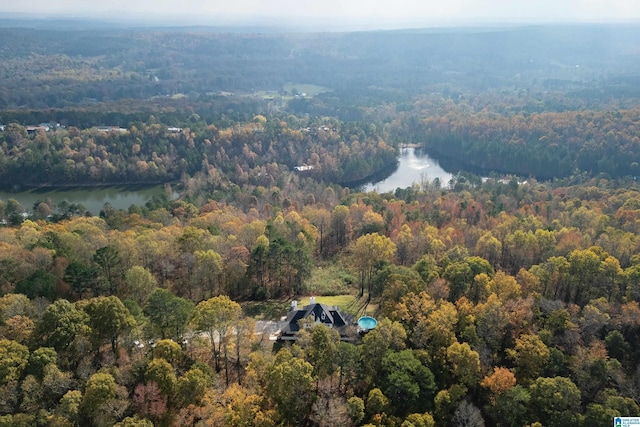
53, 187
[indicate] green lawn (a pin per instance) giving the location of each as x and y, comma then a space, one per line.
342, 301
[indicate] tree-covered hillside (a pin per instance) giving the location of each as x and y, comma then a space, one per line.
57, 68
509, 300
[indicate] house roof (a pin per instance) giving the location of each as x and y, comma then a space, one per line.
322, 313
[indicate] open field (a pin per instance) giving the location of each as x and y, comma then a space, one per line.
309, 89
290, 90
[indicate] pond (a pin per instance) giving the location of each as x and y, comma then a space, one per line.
414, 166
92, 198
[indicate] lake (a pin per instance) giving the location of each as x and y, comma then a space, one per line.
92, 198
414, 166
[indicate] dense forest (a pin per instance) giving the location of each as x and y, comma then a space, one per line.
509, 300
245, 152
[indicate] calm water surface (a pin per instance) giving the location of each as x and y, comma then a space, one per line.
414, 166
93, 198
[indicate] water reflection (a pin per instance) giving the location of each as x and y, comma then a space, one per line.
414, 166
92, 198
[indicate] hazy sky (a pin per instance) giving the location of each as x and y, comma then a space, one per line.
370, 12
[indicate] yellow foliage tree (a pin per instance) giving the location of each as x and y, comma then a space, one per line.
369, 251
504, 286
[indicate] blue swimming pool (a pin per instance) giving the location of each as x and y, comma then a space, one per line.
367, 322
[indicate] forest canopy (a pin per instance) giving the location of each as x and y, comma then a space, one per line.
507, 300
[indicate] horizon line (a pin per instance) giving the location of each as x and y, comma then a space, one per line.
294, 22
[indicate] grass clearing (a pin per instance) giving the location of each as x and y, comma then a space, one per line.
342, 301
331, 284
265, 94
288, 91
309, 89
331, 279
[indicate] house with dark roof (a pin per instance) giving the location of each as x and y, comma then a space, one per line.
36, 129
331, 316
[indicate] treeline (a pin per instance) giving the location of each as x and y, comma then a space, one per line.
246, 148
545, 145
221, 110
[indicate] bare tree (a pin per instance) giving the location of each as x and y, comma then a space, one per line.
467, 415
